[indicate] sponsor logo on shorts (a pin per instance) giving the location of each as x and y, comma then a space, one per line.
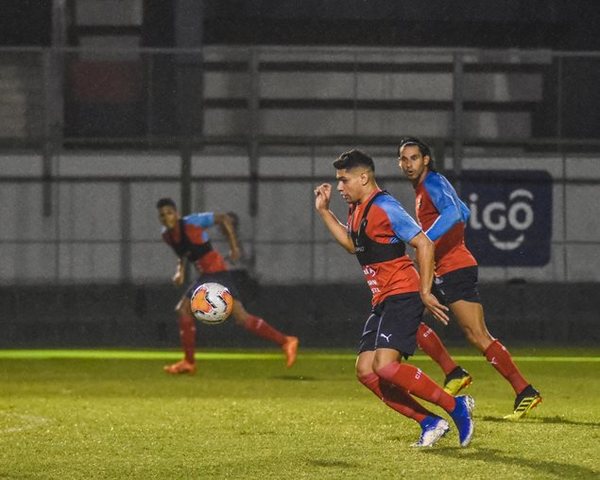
387, 337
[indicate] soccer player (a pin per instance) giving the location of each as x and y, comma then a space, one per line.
376, 232
188, 237
443, 216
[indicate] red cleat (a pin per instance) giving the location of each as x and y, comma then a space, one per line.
181, 367
290, 348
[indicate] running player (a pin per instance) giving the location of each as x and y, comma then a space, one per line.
376, 231
443, 216
187, 236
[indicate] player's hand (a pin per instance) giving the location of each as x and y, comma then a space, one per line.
435, 308
235, 254
322, 196
178, 278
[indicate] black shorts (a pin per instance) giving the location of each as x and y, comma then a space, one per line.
224, 278
457, 285
393, 324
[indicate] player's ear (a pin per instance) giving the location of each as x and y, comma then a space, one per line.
426, 160
365, 177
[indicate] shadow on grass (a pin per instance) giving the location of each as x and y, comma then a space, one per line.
553, 420
544, 467
295, 378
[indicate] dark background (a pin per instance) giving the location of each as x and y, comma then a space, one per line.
551, 24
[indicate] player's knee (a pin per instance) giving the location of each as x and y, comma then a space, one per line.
480, 339
382, 367
363, 371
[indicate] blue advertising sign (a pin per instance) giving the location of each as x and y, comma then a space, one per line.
511, 216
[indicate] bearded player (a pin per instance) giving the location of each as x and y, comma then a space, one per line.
443, 216
188, 237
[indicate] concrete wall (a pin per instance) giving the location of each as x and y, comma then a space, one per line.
103, 232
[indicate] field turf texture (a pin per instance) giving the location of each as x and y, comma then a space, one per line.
114, 414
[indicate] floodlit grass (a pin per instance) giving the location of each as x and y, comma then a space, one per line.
115, 415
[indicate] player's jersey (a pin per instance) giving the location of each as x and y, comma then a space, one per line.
378, 228
189, 239
442, 215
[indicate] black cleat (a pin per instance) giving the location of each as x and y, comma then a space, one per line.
525, 402
456, 380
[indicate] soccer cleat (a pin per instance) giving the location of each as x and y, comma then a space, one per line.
433, 428
181, 367
527, 400
463, 419
456, 380
290, 348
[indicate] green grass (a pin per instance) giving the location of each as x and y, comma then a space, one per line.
115, 415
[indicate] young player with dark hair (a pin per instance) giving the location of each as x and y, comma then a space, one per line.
443, 216
188, 237
376, 232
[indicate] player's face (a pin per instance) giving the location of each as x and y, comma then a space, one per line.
168, 216
351, 183
413, 163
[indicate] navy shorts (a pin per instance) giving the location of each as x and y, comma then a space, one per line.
393, 324
457, 285
224, 278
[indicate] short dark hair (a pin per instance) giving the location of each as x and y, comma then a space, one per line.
166, 202
352, 159
423, 148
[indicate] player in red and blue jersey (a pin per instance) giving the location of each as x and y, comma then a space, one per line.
376, 232
188, 237
443, 217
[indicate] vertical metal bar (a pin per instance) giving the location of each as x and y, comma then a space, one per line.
355, 97
125, 243
313, 219
559, 133
149, 62
253, 143
458, 117
47, 145
186, 177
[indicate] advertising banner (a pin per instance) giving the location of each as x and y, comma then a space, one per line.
511, 216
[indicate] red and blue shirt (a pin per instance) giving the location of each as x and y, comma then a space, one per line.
189, 239
386, 223
443, 216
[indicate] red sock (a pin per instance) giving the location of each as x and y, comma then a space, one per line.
262, 329
431, 344
502, 361
395, 398
415, 381
187, 334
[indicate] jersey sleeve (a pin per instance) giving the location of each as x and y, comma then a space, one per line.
204, 219
405, 228
447, 203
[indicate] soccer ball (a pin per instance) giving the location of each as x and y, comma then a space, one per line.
211, 303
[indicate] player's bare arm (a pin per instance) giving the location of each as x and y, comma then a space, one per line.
337, 229
179, 276
424, 252
224, 221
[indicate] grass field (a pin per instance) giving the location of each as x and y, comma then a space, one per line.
116, 415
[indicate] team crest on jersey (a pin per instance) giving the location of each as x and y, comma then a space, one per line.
368, 271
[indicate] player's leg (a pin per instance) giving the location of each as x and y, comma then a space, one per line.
432, 426
470, 317
397, 332
457, 377
187, 335
259, 327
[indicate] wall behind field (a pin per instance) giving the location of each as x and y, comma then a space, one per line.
322, 316
99, 225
